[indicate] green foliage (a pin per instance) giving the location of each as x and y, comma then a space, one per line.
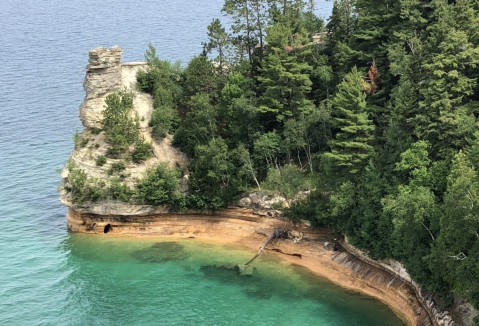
284, 75
116, 168
159, 73
457, 247
143, 151
200, 77
199, 126
268, 147
351, 149
100, 160
219, 41
158, 186
82, 188
212, 176
164, 120
121, 129
79, 141
95, 130
288, 181
119, 191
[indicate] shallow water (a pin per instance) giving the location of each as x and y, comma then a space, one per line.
51, 277
143, 281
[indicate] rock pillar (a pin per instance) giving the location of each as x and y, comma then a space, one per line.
103, 76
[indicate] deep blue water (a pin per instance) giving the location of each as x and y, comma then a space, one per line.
51, 277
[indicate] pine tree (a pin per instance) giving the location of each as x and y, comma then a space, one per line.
284, 77
351, 148
218, 40
445, 117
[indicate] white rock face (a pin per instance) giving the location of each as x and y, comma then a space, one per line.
102, 78
104, 75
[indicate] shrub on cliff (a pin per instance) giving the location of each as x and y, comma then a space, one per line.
121, 129
82, 188
119, 191
158, 186
143, 151
164, 120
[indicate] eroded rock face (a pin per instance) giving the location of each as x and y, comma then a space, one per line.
103, 77
437, 316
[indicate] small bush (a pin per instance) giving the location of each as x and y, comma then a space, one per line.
143, 151
116, 168
82, 188
100, 160
164, 120
158, 186
79, 141
288, 180
119, 191
95, 130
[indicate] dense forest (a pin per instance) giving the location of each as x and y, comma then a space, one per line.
375, 113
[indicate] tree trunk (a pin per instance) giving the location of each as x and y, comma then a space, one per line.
273, 235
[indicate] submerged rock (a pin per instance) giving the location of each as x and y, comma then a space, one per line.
161, 252
245, 270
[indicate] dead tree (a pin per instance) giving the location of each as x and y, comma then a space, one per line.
275, 234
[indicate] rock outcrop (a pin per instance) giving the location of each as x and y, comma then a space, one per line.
106, 74
395, 268
103, 76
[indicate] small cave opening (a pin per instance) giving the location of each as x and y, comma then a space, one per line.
107, 228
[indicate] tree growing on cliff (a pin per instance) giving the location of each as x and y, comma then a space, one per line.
158, 186
119, 124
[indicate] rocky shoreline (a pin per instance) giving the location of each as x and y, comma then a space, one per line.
317, 250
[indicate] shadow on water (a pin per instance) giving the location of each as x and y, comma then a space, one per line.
259, 284
252, 285
161, 252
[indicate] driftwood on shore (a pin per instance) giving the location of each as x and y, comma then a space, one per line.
275, 234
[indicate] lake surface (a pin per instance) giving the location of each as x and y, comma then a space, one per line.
51, 277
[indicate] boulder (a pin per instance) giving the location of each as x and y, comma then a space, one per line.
331, 246
295, 235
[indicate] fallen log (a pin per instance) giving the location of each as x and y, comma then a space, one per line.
275, 234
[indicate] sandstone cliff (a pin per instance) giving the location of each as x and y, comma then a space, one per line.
105, 74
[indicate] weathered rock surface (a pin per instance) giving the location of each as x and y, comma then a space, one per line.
104, 75
437, 316
263, 204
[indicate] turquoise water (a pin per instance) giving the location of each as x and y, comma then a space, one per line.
51, 277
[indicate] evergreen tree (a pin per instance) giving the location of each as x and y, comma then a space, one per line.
445, 118
219, 41
284, 76
352, 146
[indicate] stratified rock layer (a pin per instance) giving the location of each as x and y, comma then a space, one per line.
103, 77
